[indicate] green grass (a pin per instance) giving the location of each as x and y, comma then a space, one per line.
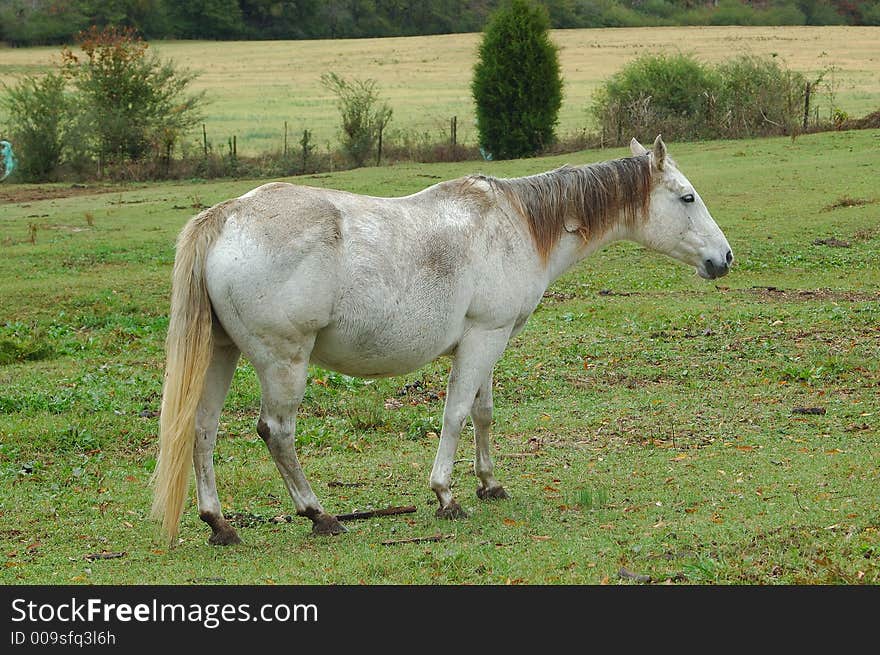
643, 418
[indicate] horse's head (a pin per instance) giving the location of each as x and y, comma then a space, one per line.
678, 223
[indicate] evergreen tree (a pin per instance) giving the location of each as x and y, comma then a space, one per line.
517, 84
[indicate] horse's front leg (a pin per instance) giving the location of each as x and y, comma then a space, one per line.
481, 414
472, 365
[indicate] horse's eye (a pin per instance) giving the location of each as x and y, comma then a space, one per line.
687, 197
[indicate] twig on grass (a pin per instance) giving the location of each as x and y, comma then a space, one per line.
808, 410
104, 555
416, 540
388, 511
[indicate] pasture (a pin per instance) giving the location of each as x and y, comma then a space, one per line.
695, 432
254, 87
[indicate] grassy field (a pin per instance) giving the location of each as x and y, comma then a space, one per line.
645, 418
254, 87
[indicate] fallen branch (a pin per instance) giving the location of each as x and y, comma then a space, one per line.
388, 511
808, 410
416, 540
105, 555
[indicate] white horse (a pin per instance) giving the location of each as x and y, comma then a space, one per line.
291, 275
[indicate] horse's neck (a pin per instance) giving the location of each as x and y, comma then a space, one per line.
572, 249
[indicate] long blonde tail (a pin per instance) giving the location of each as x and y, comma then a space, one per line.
188, 351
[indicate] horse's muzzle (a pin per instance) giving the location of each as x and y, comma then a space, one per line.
718, 269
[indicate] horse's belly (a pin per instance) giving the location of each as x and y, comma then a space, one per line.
378, 349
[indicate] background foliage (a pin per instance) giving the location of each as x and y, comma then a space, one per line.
30, 22
114, 103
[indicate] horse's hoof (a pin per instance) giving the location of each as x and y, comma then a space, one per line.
492, 493
452, 511
224, 537
327, 524
222, 534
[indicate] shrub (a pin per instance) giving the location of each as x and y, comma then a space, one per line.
132, 104
680, 97
39, 119
363, 118
517, 84
758, 97
668, 94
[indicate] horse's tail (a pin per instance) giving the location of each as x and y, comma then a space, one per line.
188, 351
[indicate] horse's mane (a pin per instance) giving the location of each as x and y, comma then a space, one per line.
595, 197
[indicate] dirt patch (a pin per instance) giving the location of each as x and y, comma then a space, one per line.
866, 234
22, 194
832, 242
847, 201
815, 294
559, 296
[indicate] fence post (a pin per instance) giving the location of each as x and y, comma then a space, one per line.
379, 149
205, 140
284, 150
807, 88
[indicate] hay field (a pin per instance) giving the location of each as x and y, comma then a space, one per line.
255, 86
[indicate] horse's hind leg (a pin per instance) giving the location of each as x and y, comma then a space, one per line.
481, 414
217, 383
284, 382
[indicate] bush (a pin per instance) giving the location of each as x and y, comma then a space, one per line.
668, 94
517, 84
363, 118
130, 104
758, 97
680, 97
124, 107
39, 119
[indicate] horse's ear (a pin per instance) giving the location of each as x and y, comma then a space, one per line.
659, 153
637, 148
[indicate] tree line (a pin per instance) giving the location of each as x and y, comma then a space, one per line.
41, 22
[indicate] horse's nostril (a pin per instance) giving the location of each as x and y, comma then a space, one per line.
729, 257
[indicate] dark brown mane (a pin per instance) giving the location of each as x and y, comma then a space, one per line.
593, 198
